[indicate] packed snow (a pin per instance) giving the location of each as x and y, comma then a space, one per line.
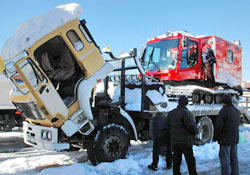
31, 31
30, 161
133, 99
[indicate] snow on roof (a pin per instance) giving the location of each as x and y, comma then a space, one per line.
170, 34
237, 42
201, 36
183, 32
31, 31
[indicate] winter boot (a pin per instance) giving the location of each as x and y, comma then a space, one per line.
152, 167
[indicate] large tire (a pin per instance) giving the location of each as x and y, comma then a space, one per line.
196, 97
206, 130
7, 128
109, 143
8, 122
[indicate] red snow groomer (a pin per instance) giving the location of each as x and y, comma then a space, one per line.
175, 58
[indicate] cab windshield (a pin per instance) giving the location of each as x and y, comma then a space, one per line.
161, 55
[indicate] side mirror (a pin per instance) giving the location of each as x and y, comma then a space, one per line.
133, 52
106, 50
184, 41
142, 50
1, 65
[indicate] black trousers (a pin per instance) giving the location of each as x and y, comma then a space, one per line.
162, 139
180, 149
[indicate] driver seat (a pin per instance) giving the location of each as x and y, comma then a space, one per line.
66, 67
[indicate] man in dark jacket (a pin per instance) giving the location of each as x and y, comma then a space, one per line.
227, 135
182, 131
161, 137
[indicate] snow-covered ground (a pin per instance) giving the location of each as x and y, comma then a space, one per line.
27, 160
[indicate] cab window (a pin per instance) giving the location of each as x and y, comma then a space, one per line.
75, 40
189, 55
32, 73
230, 56
86, 35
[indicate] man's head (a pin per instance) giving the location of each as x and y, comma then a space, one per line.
226, 100
210, 41
183, 101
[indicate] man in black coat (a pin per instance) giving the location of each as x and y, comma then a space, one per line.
227, 135
182, 130
161, 137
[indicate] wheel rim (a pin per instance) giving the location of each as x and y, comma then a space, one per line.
204, 132
112, 146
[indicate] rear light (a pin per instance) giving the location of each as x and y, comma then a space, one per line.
18, 113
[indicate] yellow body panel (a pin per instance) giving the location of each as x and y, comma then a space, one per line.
1, 65
22, 98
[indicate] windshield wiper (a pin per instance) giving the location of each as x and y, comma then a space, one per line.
151, 61
156, 66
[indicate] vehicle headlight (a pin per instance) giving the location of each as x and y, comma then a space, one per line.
49, 135
46, 135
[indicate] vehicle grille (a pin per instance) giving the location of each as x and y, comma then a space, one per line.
128, 78
29, 110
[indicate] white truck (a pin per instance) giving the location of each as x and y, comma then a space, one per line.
9, 116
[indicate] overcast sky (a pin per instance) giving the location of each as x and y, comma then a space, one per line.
124, 24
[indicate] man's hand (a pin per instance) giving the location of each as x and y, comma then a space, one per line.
197, 141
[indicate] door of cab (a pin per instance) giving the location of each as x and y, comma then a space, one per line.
48, 99
188, 67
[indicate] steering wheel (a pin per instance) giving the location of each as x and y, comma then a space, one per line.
191, 61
